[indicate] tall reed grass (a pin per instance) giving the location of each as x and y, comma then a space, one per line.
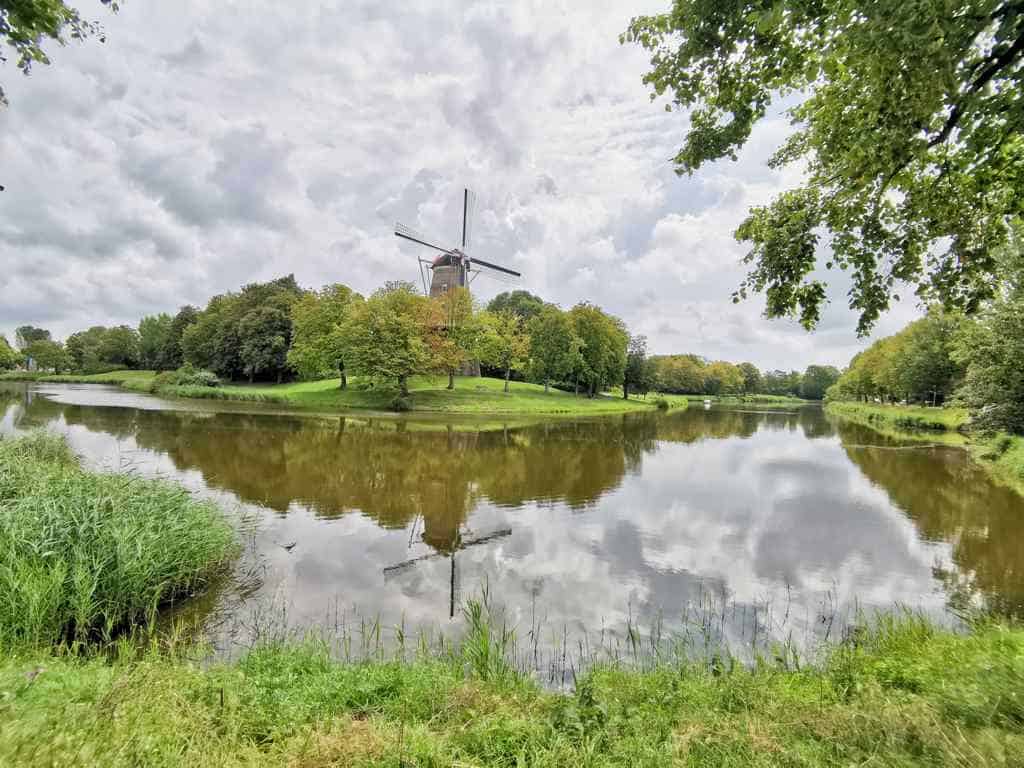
84, 554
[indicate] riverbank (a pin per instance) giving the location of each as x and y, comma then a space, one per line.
1001, 455
903, 694
428, 394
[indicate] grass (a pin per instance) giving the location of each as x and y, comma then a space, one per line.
903, 694
84, 554
907, 417
122, 377
1003, 456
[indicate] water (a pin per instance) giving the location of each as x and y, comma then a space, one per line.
749, 525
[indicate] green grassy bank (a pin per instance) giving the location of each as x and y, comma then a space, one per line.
1001, 455
85, 554
472, 395
904, 695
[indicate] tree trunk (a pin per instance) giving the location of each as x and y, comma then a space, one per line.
625, 390
508, 373
279, 377
451, 378
545, 386
344, 378
251, 374
403, 386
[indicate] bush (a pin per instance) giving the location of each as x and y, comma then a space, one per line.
661, 404
186, 376
401, 404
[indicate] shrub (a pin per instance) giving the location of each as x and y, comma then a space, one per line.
661, 404
186, 376
401, 404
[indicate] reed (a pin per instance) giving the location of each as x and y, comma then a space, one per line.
84, 555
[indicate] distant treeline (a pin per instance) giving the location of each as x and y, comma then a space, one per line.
976, 361
694, 375
276, 330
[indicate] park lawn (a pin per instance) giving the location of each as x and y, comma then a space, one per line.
124, 377
472, 395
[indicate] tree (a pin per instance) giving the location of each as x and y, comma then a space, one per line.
318, 349
679, 374
638, 375
602, 357
751, 378
84, 349
816, 380
386, 336
455, 331
171, 355
25, 24
120, 346
154, 331
781, 383
722, 378
9, 357
264, 335
553, 345
519, 302
908, 124
48, 355
26, 334
502, 342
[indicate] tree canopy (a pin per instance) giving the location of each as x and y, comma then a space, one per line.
554, 345
318, 349
908, 120
26, 334
502, 342
25, 25
520, 302
9, 356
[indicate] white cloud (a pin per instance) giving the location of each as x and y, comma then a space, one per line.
206, 145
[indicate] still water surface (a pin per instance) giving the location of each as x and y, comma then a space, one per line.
785, 519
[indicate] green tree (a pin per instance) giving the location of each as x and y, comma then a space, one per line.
751, 378
816, 381
781, 383
502, 342
26, 24
387, 336
26, 334
84, 349
9, 357
48, 355
602, 357
638, 375
679, 374
519, 302
154, 331
455, 331
171, 356
908, 123
722, 378
553, 345
318, 350
120, 346
264, 334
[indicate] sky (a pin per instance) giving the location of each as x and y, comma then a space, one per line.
208, 144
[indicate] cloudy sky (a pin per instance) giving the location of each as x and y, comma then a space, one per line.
210, 144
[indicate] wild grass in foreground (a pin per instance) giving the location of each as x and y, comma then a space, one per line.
902, 693
84, 554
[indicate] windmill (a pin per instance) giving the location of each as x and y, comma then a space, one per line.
454, 268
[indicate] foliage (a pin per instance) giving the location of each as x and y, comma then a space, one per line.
317, 351
679, 374
915, 364
84, 347
908, 121
722, 378
816, 381
48, 355
246, 333
26, 334
454, 331
639, 374
171, 355
186, 376
26, 24
85, 553
120, 346
502, 342
902, 417
601, 361
522, 303
553, 345
154, 331
9, 357
387, 336
751, 378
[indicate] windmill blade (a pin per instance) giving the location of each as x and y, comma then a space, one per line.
488, 264
409, 233
468, 211
465, 216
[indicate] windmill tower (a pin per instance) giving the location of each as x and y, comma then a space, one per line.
453, 268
